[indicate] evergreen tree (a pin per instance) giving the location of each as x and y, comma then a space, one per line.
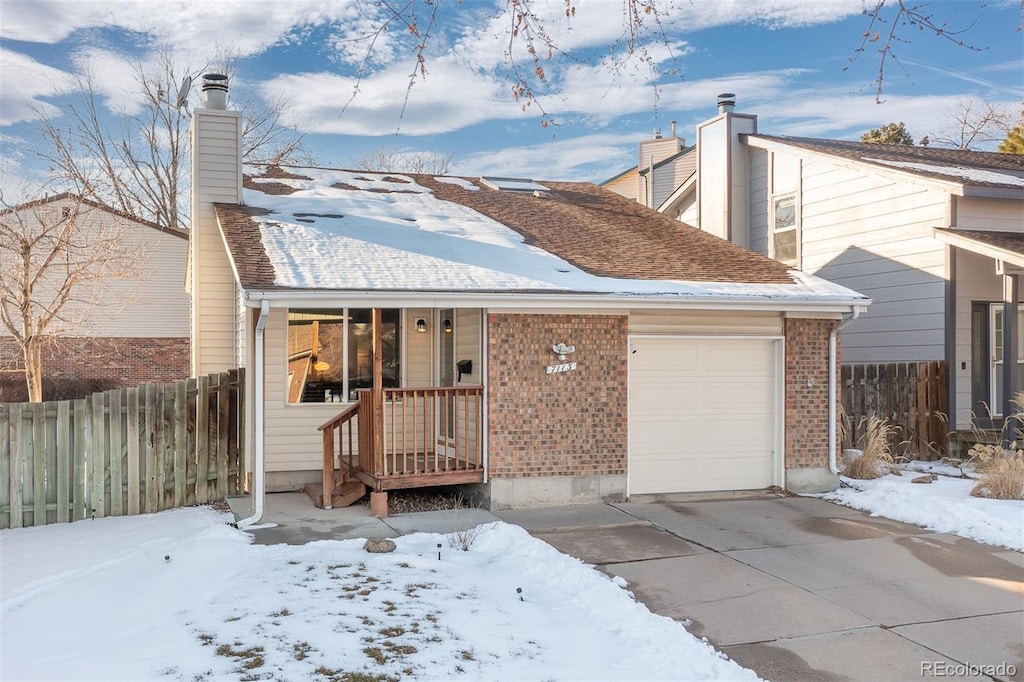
1014, 142
893, 133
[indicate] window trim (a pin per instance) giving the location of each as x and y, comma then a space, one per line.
773, 201
995, 360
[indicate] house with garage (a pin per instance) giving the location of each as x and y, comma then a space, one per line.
543, 342
935, 237
119, 328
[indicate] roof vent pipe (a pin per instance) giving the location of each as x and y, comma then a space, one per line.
215, 85
674, 129
726, 102
657, 133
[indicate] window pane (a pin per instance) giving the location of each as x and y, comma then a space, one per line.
785, 212
785, 246
360, 349
315, 359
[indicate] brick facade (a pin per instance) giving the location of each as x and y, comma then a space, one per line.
112, 362
564, 424
807, 392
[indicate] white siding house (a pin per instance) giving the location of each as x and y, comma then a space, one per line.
866, 216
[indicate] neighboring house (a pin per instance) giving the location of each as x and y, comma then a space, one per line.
121, 332
552, 342
935, 237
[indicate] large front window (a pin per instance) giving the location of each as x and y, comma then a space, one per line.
330, 353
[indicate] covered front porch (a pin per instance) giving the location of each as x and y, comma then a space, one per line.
394, 434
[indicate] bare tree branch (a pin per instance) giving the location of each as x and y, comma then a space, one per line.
54, 258
393, 160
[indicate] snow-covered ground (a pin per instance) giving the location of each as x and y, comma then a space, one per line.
181, 595
945, 505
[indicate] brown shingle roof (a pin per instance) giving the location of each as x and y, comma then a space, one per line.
1007, 241
595, 229
1012, 164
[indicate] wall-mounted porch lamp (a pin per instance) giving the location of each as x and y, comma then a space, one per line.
447, 326
421, 325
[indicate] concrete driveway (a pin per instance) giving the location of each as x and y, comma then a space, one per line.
801, 589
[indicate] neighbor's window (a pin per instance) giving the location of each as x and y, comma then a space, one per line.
784, 233
330, 353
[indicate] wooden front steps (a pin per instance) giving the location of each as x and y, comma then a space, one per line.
345, 495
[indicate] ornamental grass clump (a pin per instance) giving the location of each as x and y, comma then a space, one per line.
1003, 479
877, 446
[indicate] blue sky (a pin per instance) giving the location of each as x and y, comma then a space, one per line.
784, 59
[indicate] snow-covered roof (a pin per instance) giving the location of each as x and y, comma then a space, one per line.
328, 229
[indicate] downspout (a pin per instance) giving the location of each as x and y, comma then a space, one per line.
257, 418
832, 385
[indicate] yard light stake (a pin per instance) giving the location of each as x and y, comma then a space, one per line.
439, 551
519, 591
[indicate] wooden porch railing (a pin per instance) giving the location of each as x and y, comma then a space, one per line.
406, 438
338, 446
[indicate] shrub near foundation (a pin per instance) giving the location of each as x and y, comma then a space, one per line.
1003, 478
876, 444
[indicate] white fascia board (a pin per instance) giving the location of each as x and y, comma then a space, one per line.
391, 299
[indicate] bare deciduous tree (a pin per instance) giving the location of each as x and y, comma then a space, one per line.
138, 162
394, 160
54, 258
974, 123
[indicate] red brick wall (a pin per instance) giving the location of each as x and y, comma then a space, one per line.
807, 392
564, 424
119, 362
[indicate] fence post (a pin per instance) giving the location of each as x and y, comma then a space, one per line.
132, 443
180, 441
94, 458
79, 475
202, 440
116, 476
5, 465
64, 459
17, 481
38, 449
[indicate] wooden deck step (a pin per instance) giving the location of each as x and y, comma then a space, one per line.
344, 495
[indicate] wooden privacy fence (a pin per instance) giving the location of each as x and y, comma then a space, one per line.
120, 452
912, 395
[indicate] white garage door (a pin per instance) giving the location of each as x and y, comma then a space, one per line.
700, 414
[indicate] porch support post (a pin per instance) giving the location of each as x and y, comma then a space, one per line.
378, 393
1011, 294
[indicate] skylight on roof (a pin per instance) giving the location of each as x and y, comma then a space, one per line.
513, 184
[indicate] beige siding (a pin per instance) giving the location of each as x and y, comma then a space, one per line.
874, 235
625, 186
149, 301
419, 348
216, 168
1005, 215
704, 322
467, 345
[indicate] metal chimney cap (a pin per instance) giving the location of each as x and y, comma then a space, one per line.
726, 102
215, 81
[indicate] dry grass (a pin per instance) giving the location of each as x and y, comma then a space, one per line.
876, 444
1003, 479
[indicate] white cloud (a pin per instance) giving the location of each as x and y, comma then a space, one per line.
593, 157
25, 81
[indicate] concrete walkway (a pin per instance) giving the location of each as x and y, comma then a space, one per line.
794, 588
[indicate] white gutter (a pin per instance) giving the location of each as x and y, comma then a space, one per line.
809, 302
257, 426
832, 385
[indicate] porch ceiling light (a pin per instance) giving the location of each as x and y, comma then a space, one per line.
321, 366
447, 326
421, 325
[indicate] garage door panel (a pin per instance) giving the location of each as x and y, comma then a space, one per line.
701, 414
